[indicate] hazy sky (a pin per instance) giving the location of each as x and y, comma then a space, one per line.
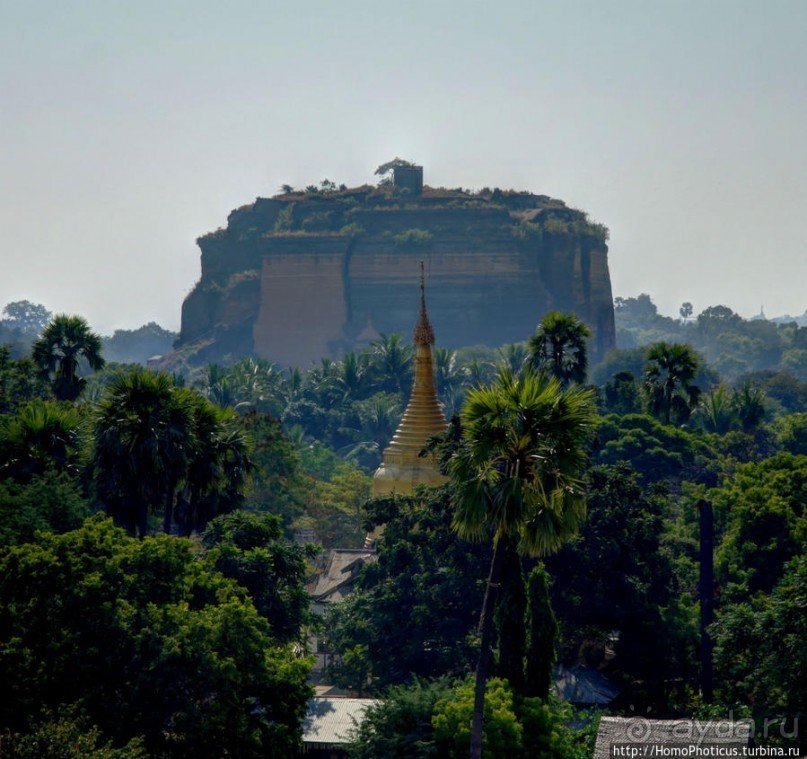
128, 129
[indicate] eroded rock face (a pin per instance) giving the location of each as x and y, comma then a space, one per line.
298, 277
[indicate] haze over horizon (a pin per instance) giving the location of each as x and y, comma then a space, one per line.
131, 130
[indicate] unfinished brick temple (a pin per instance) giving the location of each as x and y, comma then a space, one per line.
306, 275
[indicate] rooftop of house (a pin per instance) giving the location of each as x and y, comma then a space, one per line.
329, 721
342, 567
638, 731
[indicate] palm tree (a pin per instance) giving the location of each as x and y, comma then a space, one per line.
218, 386
139, 451
372, 428
64, 342
392, 363
668, 376
514, 356
353, 376
42, 435
165, 448
217, 464
517, 475
449, 379
716, 411
749, 405
478, 372
559, 347
323, 383
249, 384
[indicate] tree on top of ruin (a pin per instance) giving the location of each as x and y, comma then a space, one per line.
385, 169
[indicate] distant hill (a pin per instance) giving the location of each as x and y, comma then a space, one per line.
786, 319
138, 345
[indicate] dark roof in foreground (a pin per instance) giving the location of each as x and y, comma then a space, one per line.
626, 731
584, 686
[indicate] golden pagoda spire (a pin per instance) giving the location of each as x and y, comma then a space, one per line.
424, 334
403, 467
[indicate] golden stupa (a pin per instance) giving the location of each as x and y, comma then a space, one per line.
403, 468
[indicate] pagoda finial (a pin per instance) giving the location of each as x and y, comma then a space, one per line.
424, 334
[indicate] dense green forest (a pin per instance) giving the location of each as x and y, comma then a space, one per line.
153, 599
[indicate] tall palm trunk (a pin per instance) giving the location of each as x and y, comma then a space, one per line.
168, 514
486, 632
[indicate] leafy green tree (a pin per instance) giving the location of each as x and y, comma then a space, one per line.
50, 502
250, 549
138, 345
787, 392
414, 611
20, 382
621, 395
615, 362
760, 654
641, 308
29, 318
795, 361
732, 346
384, 171
517, 475
762, 524
559, 347
638, 323
791, 433
334, 508
615, 576
66, 735
669, 375
658, 452
400, 725
515, 728
503, 736
686, 311
716, 320
447, 373
722, 410
170, 650
64, 342
478, 371
431, 718
278, 484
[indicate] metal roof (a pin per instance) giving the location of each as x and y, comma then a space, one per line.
329, 721
626, 731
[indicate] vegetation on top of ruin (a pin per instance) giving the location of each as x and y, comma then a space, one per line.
329, 191
328, 209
